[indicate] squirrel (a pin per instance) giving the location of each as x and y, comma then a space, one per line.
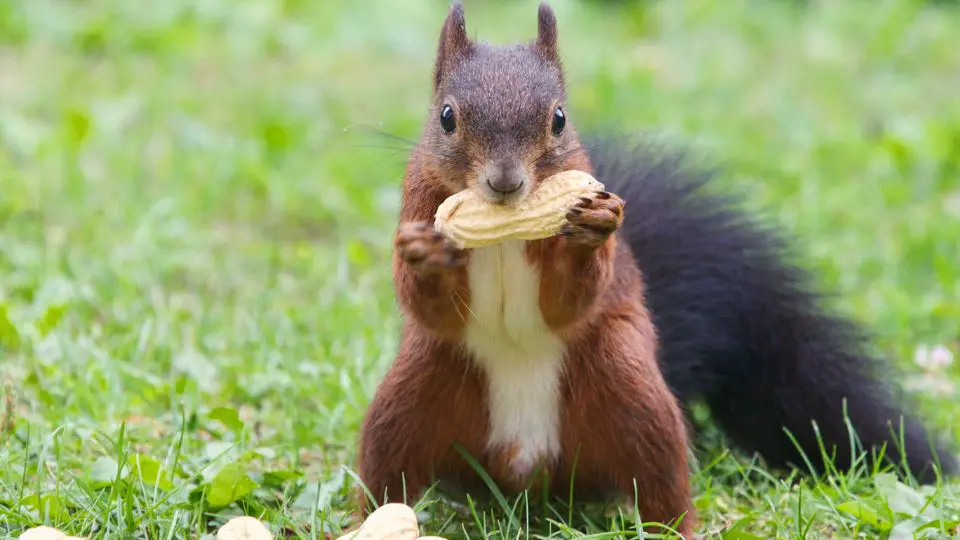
573, 357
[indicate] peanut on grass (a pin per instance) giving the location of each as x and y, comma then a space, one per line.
471, 221
244, 528
46, 533
392, 521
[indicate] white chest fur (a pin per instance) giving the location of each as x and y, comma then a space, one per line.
522, 358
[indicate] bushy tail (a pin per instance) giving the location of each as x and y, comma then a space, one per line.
743, 328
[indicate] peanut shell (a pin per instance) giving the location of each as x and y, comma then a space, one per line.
244, 528
42, 533
471, 221
393, 521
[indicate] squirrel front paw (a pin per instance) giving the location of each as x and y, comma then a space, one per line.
426, 249
593, 219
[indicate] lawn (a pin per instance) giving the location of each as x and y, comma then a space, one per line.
197, 204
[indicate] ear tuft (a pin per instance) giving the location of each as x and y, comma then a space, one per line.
547, 33
456, 26
454, 43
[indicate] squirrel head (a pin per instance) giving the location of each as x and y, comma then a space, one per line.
498, 118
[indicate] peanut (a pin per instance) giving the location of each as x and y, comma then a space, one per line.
471, 221
244, 528
393, 521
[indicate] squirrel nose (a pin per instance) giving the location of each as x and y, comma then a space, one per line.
505, 178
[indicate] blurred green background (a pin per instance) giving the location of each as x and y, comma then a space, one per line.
197, 201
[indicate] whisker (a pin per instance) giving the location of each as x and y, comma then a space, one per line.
376, 146
413, 146
398, 138
463, 303
548, 159
408, 143
455, 160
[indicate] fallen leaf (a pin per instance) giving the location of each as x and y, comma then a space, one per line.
229, 485
103, 471
228, 416
150, 471
865, 514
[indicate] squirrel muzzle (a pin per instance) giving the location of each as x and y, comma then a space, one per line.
504, 181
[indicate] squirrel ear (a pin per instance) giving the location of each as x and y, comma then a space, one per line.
547, 32
454, 43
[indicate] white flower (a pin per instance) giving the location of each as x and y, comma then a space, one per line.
941, 356
934, 358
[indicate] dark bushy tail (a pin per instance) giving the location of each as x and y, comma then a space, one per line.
744, 329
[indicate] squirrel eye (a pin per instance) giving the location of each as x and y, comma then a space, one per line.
559, 120
447, 121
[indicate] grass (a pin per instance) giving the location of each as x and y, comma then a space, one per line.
196, 210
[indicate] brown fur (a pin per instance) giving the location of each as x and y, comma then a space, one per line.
619, 422
433, 291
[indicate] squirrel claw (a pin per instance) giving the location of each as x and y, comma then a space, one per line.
427, 250
593, 219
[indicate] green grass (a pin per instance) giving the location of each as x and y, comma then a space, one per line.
197, 213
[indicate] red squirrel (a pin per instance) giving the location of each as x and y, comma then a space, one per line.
583, 347
532, 355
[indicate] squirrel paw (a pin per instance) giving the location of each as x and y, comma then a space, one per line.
427, 250
593, 219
